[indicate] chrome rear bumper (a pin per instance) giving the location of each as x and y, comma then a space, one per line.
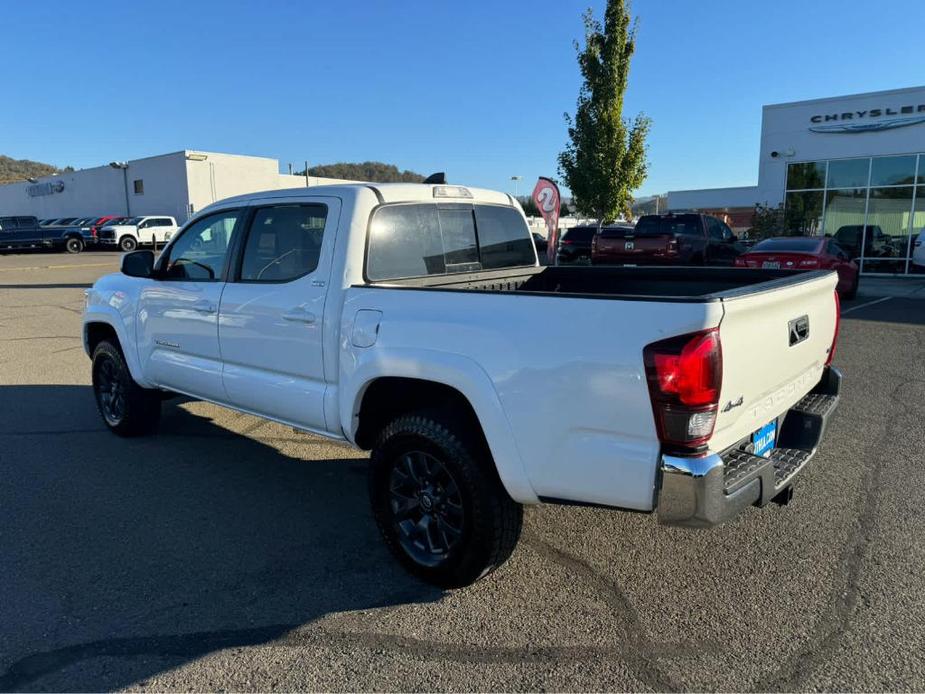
707, 490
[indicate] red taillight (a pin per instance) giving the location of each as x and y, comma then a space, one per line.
837, 326
566, 242
685, 376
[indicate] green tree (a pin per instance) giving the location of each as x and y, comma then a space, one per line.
605, 159
766, 222
530, 208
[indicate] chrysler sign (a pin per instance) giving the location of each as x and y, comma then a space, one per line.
868, 121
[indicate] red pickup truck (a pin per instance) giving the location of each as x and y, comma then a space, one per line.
667, 239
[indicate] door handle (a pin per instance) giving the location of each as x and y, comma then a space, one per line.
299, 315
204, 307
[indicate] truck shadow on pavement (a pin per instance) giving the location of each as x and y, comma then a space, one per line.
899, 310
160, 550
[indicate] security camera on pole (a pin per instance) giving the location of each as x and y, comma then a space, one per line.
546, 197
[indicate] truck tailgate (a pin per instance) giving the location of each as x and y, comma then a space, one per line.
775, 344
635, 249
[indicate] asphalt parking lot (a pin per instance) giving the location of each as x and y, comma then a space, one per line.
230, 553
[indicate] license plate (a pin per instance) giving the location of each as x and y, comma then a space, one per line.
770, 266
763, 439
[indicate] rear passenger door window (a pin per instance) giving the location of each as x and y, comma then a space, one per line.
417, 240
283, 243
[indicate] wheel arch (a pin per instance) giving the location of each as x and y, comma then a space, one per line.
419, 382
100, 326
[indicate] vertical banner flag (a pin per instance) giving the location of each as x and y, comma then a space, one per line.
546, 197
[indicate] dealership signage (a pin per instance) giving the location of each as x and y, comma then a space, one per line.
47, 188
861, 121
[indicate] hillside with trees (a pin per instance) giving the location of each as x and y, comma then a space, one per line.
374, 171
22, 169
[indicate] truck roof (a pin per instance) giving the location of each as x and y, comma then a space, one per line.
386, 192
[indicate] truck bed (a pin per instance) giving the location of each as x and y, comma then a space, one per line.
676, 284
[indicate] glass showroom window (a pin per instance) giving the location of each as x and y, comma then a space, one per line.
848, 173
889, 217
874, 207
803, 201
803, 212
917, 262
844, 217
808, 175
893, 171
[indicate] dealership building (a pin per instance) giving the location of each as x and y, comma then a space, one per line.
838, 166
178, 184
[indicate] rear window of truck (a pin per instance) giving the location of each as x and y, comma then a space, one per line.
681, 224
416, 240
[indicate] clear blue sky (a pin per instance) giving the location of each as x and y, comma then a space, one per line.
476, 88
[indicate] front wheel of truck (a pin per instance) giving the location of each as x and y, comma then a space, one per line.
438, 501
126, 407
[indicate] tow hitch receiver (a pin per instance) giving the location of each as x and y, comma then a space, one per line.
784, 496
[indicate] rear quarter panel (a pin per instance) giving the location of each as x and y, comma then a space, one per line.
567, 373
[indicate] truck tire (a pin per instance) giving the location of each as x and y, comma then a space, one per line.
128, 244
126, 408
438, 501
73, 245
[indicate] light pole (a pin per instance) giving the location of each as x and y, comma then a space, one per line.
516, 180
124, 166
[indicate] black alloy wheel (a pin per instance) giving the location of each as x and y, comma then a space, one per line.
427, 507
110, 388
127, 409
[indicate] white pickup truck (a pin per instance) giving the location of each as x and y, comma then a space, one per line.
132, 232
413, 320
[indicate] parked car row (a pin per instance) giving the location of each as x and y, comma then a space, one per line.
73, 234
695, 239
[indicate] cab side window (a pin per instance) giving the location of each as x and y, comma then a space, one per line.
283, 243
714, 230
199, 253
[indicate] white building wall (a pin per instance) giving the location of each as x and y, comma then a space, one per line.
786, 129
177, 184
164, 184
90, 191
221, 176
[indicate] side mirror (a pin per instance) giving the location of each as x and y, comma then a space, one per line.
138, 264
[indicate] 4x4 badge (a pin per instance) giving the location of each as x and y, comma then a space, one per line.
733, 403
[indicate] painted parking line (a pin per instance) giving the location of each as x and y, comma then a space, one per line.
865, 305
53, 267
